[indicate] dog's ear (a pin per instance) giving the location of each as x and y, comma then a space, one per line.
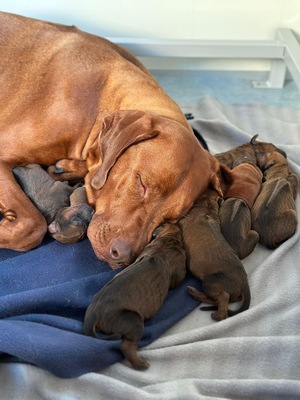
119, 131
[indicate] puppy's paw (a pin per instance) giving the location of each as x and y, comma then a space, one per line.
142, 364
219, 316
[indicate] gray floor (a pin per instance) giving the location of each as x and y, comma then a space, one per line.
187, 87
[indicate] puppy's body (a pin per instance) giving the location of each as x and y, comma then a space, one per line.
274, 214
46, 194
235, 219
243, 153
138, 292
211, 259
66, 223
235, 214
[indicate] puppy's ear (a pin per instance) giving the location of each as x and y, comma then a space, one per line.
120, 130
254, 140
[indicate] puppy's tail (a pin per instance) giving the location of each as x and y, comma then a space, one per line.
90, 328
245, 301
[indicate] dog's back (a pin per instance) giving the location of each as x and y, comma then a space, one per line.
211, 259
138, 292
274, 214
143, 285
206, 248
235, 216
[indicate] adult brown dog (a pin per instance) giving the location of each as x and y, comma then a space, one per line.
211, 259
73, 97
138, 292
274, 214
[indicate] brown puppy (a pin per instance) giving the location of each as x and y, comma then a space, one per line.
211, 259
138, 292
80, 103
274, 214
46, 194
235, 214
66, 223
240, 192
230, 157
70, 223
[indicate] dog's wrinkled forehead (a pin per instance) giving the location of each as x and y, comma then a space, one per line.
166, 161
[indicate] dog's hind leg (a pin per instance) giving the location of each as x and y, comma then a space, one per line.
22, 226
220, 301
200, 295
222, 312
132, 329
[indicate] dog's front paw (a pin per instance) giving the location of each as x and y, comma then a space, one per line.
68, 170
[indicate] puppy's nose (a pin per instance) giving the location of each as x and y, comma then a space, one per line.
121, 252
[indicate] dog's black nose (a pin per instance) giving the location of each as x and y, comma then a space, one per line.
121, 252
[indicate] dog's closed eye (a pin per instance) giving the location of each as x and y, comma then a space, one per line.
76, 220
142, 186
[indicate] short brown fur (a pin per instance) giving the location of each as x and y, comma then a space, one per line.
138, 292
211, 259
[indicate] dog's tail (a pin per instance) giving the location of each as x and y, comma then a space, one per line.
90, 328
245, 301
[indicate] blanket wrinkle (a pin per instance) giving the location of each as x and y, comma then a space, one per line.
255, 354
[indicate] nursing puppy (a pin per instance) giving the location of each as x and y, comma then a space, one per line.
235, 211
239, 195
138, 292
229, 157
66, 223
70, 223
274, 214
211, 259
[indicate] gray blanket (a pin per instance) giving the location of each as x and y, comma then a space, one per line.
254, 355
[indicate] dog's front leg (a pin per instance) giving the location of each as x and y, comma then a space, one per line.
68, 170
22, 226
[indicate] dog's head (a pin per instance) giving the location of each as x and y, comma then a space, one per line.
151, 170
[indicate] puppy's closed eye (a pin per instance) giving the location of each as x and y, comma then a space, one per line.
155, 232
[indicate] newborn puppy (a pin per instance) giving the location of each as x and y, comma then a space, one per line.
235, 214
138, 292
211, 259
70, 223
274, 214
229, 157
50, 197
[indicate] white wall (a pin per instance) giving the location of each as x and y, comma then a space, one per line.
176, 19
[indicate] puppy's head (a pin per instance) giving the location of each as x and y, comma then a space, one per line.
71, 223
267, 154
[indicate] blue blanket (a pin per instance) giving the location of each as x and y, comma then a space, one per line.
44, 294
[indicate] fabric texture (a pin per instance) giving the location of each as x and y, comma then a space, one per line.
254, 355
